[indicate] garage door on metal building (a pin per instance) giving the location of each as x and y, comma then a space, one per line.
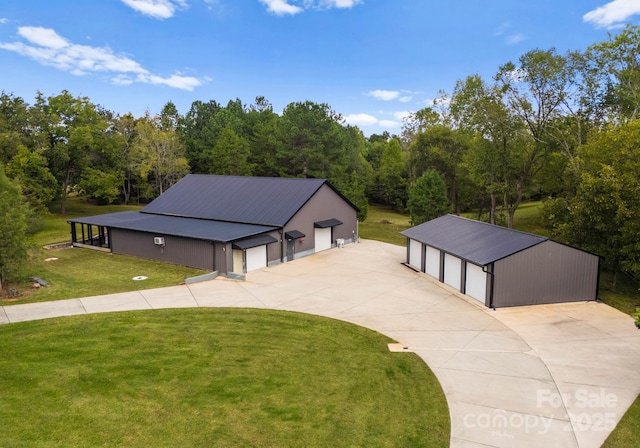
255, 251
476, 282
453, 271
415, 254
324, 233
433, 262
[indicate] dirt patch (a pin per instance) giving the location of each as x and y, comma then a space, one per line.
10, 293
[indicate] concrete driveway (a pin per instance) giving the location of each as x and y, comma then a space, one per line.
543, 376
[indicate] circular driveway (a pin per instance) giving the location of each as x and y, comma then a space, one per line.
547, 375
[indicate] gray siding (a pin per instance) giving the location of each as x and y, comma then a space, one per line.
325, 204
224, 257
547, 273
177, 250
274, 250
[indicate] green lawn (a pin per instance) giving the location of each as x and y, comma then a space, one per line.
222, 377
83, 272
627, 433
384, 224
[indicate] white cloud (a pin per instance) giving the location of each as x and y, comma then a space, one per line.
510, 38
384, 95
158, 9
613, 14
45, 37
3, 20
49, 48
341, 3
405, 99
293, 7
389, 124
401, 115
281, 7
516, 38
361, 119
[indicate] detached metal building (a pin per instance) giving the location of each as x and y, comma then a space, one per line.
501, 267
229, 224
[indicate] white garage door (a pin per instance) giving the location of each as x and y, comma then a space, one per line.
256, 258
323, 239
476, 282
415, 254
452, 271
433, 262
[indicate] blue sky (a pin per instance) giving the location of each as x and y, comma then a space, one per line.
372, 61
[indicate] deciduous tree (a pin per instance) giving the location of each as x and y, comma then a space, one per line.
427, 197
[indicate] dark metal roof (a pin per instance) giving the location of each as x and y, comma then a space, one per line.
474, 241
294, 235
255, 241
218, 231
243, 199
327, 223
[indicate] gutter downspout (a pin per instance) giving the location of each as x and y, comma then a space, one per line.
491, 284
600, 260
281, 232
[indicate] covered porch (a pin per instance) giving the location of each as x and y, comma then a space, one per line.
90, 236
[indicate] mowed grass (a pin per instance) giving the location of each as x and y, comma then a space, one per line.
384, 224
83, 272
216, 377
627, 433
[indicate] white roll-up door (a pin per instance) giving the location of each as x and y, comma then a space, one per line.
415, 254
433, 262
476, 282
256, 258
452, 271
323, 239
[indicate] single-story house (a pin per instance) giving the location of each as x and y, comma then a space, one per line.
501, 267
228, 224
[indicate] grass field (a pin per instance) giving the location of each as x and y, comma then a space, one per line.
384, 224
82, 272
223, 378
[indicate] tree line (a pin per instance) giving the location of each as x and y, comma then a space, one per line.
561, 127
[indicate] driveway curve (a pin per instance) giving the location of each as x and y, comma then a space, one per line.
548, 375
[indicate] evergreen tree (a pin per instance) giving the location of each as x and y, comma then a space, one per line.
13, 227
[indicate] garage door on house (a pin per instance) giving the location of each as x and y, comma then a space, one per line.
476, 282
254, 252
324, 233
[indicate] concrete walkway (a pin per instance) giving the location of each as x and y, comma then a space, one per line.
543, 376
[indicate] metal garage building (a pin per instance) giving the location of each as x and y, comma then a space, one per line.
229, 224
501, 267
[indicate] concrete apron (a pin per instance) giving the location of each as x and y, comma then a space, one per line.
554, 375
